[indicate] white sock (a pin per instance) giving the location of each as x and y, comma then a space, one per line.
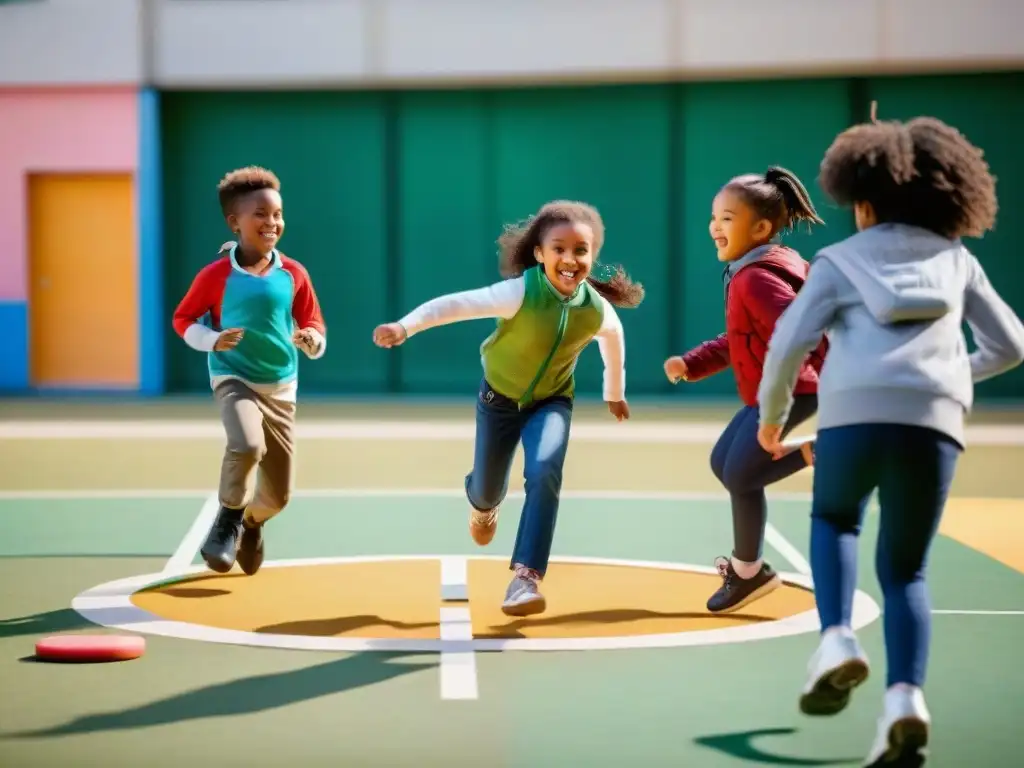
902, 687
746, 570
838, 629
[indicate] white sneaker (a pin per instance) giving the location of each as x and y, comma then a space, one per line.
836, 668
902, 730
523, 597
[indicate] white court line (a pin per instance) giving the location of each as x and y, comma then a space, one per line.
186, 551
110, 605
665, 432
412, 430
386, 493
457, 667
954, 612
454, 577
84, 494
790, 553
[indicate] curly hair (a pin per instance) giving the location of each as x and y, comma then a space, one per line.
778, 196
924, 173
242, 181
518, 242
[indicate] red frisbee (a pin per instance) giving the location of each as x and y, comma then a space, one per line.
90, 648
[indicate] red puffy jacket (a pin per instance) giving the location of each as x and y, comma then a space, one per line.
755, 297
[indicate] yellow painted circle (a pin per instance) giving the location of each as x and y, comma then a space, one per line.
400, 599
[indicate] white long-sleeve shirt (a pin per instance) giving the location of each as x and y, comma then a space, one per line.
504, 300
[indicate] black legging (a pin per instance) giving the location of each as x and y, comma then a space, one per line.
745, 468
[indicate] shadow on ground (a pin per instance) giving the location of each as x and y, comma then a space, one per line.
611, 616
740, 745
46, 622
340, 625
243, 696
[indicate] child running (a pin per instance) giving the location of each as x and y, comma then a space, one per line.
549, 309
894, 393
761, 279
251, 310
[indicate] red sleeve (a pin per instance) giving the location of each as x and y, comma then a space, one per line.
709, 358
204, 296
765, 296
305, 306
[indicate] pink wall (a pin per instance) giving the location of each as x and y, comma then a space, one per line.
56, 131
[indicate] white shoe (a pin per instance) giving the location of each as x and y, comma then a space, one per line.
902, 730
523, 597
836, 668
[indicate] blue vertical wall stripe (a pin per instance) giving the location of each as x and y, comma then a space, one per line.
149, 183
14, 353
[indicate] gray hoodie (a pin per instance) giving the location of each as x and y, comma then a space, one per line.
892, 300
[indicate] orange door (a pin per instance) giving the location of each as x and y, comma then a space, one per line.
83, 284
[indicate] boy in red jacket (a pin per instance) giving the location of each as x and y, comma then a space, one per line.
252, 310
761, 279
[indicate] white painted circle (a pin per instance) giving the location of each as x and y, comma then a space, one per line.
110, 605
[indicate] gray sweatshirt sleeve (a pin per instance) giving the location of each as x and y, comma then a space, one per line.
998, 333
797, 332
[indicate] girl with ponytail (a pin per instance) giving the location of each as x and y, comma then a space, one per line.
549, 307
761, 278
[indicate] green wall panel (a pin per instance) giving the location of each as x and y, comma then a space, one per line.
609, 147
989, 111
445, 221
734, 128
328, 150
392, 199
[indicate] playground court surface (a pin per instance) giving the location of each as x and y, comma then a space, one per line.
373, 635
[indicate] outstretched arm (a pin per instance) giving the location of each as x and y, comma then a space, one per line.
498, 300
707, 359
997, 331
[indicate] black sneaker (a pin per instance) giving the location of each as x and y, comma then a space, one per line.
736, 592
250, 548
222, 542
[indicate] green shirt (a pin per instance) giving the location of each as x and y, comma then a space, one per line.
532, 355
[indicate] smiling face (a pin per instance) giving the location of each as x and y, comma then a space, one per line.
735, 226
258, 219
567, 254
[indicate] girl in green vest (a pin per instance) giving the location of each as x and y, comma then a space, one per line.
548, 309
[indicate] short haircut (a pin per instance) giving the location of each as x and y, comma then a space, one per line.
243, 181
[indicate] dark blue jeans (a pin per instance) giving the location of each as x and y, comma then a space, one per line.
543, 427
745, 468
912, 468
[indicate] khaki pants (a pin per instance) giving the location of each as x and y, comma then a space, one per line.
257, 473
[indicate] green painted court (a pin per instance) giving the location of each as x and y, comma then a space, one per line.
720, 700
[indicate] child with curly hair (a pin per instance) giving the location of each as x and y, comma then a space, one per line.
549, 308
893, 393
761, 278
251, 310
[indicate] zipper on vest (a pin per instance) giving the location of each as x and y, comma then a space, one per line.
563, 321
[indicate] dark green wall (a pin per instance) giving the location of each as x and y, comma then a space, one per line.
329, 152
393, 198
